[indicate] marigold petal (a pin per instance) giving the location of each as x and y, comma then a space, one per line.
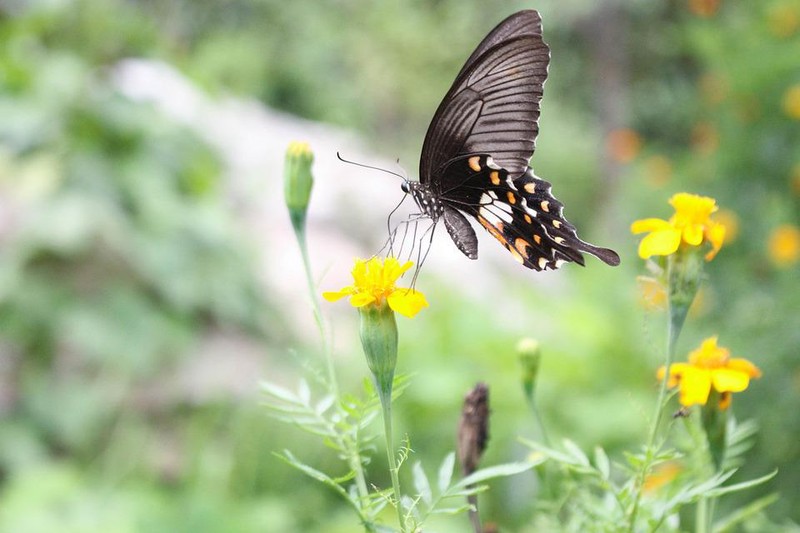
693, 234
676, 370
333, 296
697, 208
728, 380
360, 273
392, 270
361, 299
695, 386
407, 302
743, 365
715, 234
649, 224
662, 242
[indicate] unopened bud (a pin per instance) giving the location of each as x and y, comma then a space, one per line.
530, 356
298, 181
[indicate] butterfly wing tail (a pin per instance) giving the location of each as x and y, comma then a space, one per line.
606, 255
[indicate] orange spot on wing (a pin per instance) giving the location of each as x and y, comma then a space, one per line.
511, 198
474, 163
537, 239
530, 187
515, 254
494, 176
545, 206
522, 246
528, 219
496, 231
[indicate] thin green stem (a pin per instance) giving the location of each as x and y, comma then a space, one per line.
701, 519
354, 458
312, 290
677, 316
539, 423
386, 404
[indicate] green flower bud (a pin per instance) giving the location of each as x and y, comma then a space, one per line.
530, 356
298, 181
379, 341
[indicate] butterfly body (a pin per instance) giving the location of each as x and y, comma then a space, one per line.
475, 155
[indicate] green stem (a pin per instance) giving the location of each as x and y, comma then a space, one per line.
385, 394
677, 317
354, 459
540, 423
701, 519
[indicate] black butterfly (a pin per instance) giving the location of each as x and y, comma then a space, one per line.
475, 155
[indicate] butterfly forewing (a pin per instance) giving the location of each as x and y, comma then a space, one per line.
493, 105
476, 153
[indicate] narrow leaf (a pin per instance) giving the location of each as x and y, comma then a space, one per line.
736, 487
446, 472
602, 462
278, 392
503, 470
421, 483
576, 452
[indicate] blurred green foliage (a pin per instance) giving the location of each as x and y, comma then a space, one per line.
119, 250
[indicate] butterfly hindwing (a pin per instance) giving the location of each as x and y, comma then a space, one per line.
522, 214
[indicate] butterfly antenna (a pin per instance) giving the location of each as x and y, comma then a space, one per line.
362, 165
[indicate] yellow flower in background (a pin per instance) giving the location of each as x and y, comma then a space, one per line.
784, 20
652, 293
784, 245
662, 476
691, 224
710, 366
374, 283
791, 102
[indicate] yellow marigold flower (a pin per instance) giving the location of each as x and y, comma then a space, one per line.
710, 366
784, 245
374, 283
691, 224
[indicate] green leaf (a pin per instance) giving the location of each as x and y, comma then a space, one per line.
446, 471
503, 470
719, 491
576, 453
743, 513
602, 462
421, 483
312, 472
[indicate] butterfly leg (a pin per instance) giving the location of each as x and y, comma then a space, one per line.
420, 256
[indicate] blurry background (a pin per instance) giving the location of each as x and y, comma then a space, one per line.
149, 278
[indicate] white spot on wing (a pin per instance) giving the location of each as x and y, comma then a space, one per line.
490, 217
